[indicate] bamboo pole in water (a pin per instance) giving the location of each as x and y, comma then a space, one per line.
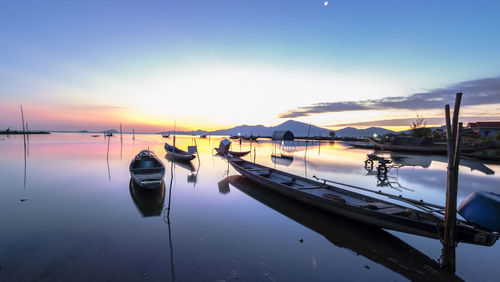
453, 139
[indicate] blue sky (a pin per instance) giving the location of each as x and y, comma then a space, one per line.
86, 53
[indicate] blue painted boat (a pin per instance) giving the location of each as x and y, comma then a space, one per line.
483, 209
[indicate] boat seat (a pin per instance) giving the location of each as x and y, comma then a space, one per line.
290, 182
376, 205
260, 171
334, 197
393, 210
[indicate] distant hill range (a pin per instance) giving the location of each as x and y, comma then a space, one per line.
299, 129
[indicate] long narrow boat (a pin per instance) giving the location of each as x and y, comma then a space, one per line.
375, 244
361, 145
178, 154
357, 206
434, 149
232, 153
147, 170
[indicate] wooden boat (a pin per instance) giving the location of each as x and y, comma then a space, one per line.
375, 244
361, 145
359, 207
433, 149
178, 154
232, 153
147, 170
282, 156
149, 202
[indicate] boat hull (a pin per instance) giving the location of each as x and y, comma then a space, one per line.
421, 224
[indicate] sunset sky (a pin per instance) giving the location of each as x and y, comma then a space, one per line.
215, 64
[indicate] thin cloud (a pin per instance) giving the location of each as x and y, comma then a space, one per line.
408, 121
476, 92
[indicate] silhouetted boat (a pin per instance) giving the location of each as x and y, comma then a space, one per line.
178, 154
361, 145
147, 170
203, 136
357, 206
375, 244
109, 134
232, 153
419, 145
149, 202
164, 135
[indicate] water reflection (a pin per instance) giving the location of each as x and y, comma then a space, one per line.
149, 202
187, 165
373, 243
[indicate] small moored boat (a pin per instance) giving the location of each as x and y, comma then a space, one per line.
147, 170
178, 154
232, 153
359, 207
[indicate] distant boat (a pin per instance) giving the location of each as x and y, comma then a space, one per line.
233, 153
109, 134
165, 135
361, 145
149, 202
203, 136
418, 145
178, 154
95, 135
359, 207
147, 170
235, 137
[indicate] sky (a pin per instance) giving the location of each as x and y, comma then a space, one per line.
216, 64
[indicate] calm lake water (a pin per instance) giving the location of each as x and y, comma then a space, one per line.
69, 213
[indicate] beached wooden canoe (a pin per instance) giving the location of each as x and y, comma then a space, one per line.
178, 154
232, 153
147, 170
358, 207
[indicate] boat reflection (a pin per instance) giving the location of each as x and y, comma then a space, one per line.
282, 160
149, 202
191, 178
373, 243
224, 186
425, 161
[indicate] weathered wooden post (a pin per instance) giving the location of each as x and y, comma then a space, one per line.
453, 140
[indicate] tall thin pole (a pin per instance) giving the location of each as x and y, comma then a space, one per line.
121, 141
307, 140
453, 139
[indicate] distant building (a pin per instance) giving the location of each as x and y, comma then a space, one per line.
285, 135
485, 128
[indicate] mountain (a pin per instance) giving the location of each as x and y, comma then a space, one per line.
368, 132
299, 129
